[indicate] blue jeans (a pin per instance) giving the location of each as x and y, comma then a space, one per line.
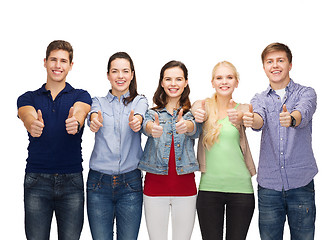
112, 197
45, 194
297, 204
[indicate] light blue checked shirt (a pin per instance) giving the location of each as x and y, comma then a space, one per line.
286, 157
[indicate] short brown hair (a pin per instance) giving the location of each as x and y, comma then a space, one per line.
276, 47
60, 45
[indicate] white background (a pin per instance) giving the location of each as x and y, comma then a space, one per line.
199, 33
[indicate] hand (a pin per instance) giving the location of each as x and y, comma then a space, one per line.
181, 126
232, 113
248, 117
71, 123
134, 122
157, 130
285, 117
36, 127
200, 113
96, 122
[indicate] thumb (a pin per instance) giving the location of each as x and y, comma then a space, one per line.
203, 107
250, 108
156, 119
131, 115
180, 115
284, 108
100, 118
231, 104
71, 112
39, 116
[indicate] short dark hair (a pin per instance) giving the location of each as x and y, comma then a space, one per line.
133, 85
275, 47
60, 45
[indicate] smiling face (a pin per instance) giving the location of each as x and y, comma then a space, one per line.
174, 82
120, 76
57, 65
277, 68
224, 81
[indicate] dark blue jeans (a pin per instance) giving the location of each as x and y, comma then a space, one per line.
45, 194
297, 204
112, 197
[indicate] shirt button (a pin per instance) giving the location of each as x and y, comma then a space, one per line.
281, 139
282, 167
281, 153
178, 145
179, 158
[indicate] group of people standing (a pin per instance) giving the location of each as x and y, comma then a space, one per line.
55, 114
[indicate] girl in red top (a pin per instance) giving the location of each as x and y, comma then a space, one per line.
169, 157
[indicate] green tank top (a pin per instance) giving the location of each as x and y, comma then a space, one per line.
225, 167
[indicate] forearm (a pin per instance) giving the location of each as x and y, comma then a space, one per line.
28, 115
258, 121
297, 115
190, 126
80, 112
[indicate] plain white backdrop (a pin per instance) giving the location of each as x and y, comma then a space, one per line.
198, 33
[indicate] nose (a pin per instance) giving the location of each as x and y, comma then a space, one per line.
120, 74
58, 64
173, 82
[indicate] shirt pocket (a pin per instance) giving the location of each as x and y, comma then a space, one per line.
108, 118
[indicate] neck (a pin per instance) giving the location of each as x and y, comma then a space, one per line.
55, 87
223, 102
173, 103
280, 85
118, 94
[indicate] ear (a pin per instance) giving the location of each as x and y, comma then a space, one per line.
45, 62
71, 65
290, 67
186, 82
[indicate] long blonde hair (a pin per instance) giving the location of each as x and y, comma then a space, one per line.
211, 129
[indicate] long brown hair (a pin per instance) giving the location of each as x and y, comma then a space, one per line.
160, 97
133, 85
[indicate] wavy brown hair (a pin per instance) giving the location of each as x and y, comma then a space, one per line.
160, 98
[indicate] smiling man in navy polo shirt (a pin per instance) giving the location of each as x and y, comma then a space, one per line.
54, 118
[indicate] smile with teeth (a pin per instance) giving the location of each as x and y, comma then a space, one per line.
57, 71
173, 90
120, 82
224, 88
276, 72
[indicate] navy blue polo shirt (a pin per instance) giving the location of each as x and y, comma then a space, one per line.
55, 151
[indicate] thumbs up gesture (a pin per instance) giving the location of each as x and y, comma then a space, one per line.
157, 130
71, 123
248, 117
200, 113
233, 114
134, 122
36, 127
285, 117
96, 121
181, 126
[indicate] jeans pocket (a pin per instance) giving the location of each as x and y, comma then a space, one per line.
135, 185
30, 180
77, 181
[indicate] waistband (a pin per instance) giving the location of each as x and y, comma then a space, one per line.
119, 177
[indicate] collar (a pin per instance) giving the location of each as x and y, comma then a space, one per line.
289, 88
111, 97
66, 89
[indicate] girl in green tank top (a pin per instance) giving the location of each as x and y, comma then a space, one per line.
226, 162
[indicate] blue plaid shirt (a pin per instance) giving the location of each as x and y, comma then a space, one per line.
286, 157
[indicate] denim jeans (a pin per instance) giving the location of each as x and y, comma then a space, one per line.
112, 197
45, 194
297, 204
